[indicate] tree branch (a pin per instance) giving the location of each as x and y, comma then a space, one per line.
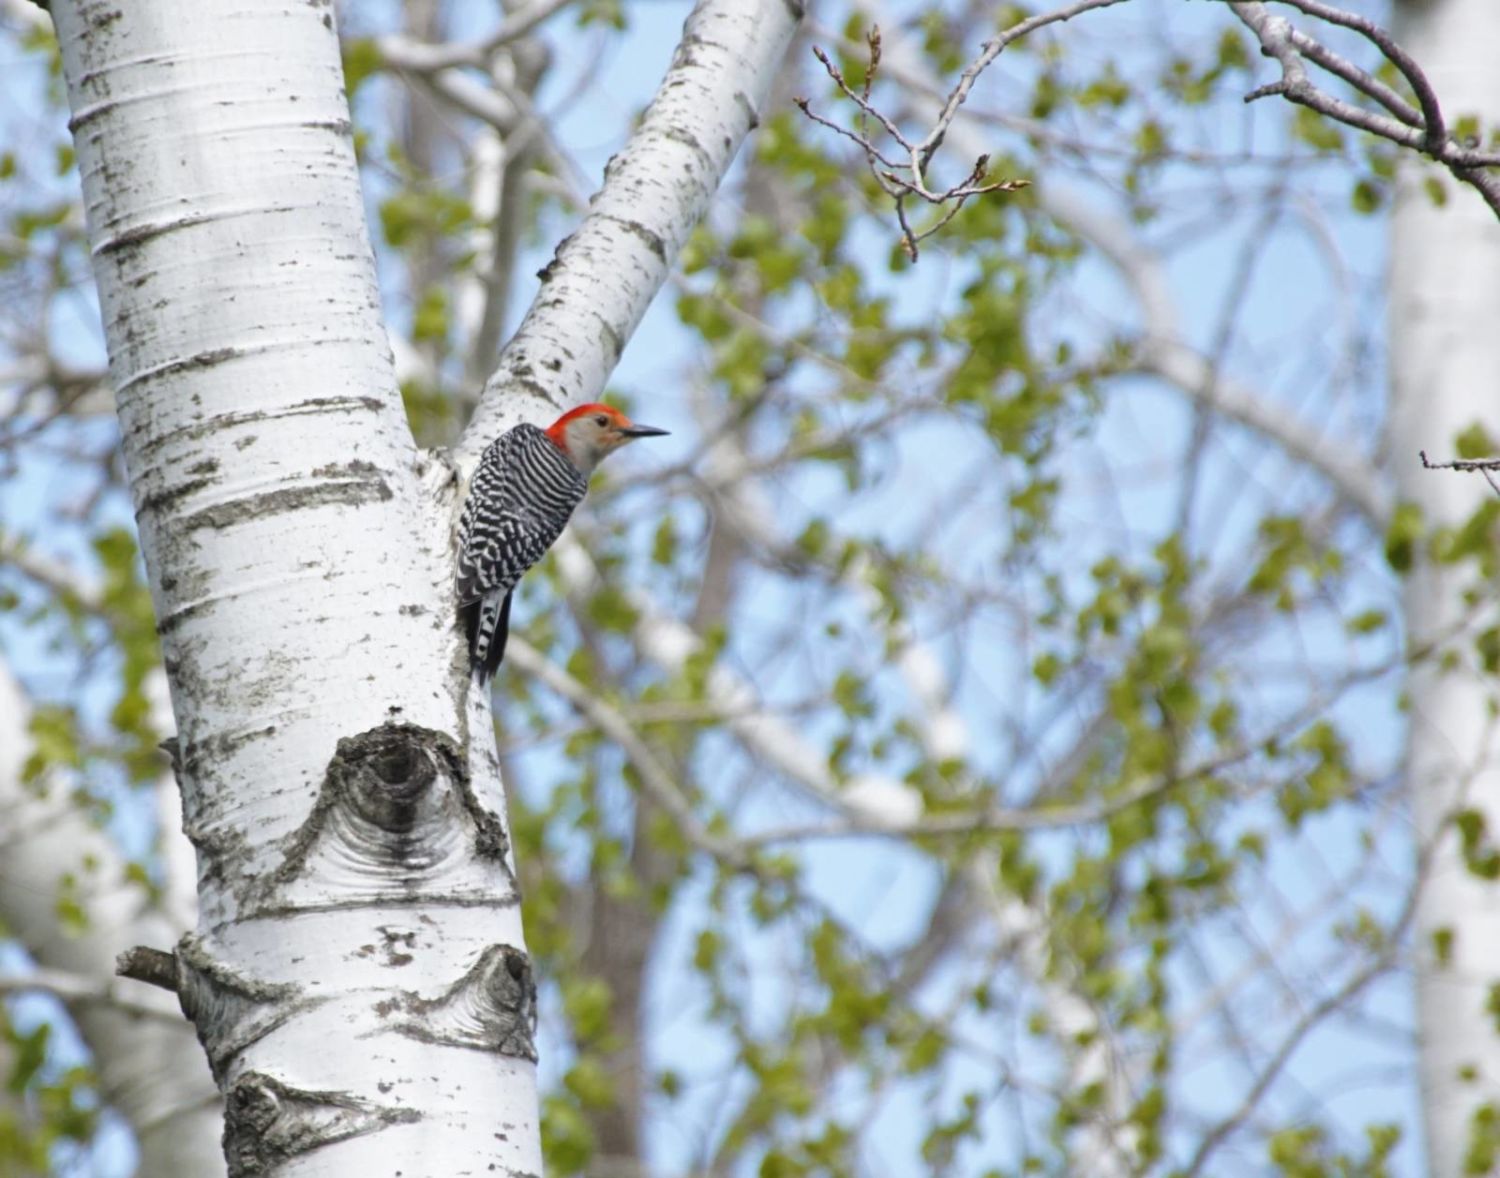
901, 180
654, 776
1425, 131
74, 991
152, 1070
1485, 466
604, 276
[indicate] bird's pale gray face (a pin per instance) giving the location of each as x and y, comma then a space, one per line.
594, 435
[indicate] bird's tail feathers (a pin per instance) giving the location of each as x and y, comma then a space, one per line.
487, 623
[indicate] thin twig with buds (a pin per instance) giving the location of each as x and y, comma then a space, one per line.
1483, 465
902, 180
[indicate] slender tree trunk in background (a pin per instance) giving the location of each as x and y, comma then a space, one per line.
1445, 373
150, 1068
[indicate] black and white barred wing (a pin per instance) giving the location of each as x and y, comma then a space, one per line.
509, 542
521, 497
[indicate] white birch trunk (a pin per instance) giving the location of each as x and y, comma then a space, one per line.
357, 976
1445, 373
605, 274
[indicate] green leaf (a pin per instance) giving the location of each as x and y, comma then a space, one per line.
1316, 131
1475, 442
1367, 196
430, 318
1401, 536
587, 1002
362, 58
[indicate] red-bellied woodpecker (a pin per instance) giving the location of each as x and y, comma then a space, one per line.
526, 485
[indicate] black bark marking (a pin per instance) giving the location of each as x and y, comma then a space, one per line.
652, 239
221, 746
169, 496
220, 850
358, 487
267, 1122
752, 118
341, 127
199, 360
690, 141
227, 421
142, 233
165, 625
615, 341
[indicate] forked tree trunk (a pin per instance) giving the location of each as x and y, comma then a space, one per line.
357, 976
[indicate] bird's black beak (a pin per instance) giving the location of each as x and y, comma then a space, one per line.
643, 431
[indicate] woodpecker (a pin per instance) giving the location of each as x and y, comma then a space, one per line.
526, 486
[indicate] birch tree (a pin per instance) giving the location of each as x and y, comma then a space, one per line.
982, 749
358, 974
1444, 288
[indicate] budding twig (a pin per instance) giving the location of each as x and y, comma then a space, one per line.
1483, 465
898, 179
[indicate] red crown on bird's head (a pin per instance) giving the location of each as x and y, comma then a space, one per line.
558, 430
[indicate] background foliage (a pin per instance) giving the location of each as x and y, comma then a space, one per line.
1041, 718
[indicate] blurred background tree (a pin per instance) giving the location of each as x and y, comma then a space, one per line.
1084, 696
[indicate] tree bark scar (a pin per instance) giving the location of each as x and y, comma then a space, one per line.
267, 1122
230, 1008
395, 818
168, 496
144, 233
491, 1008
222, 423
206, 359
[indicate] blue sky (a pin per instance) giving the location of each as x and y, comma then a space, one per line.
875, 888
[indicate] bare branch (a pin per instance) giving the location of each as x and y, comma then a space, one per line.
654, 777
155, 967
991, 50
74, 990
1425, 131
907, 179
1483, 465
1358, 78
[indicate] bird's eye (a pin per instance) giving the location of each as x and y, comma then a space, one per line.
601, 420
